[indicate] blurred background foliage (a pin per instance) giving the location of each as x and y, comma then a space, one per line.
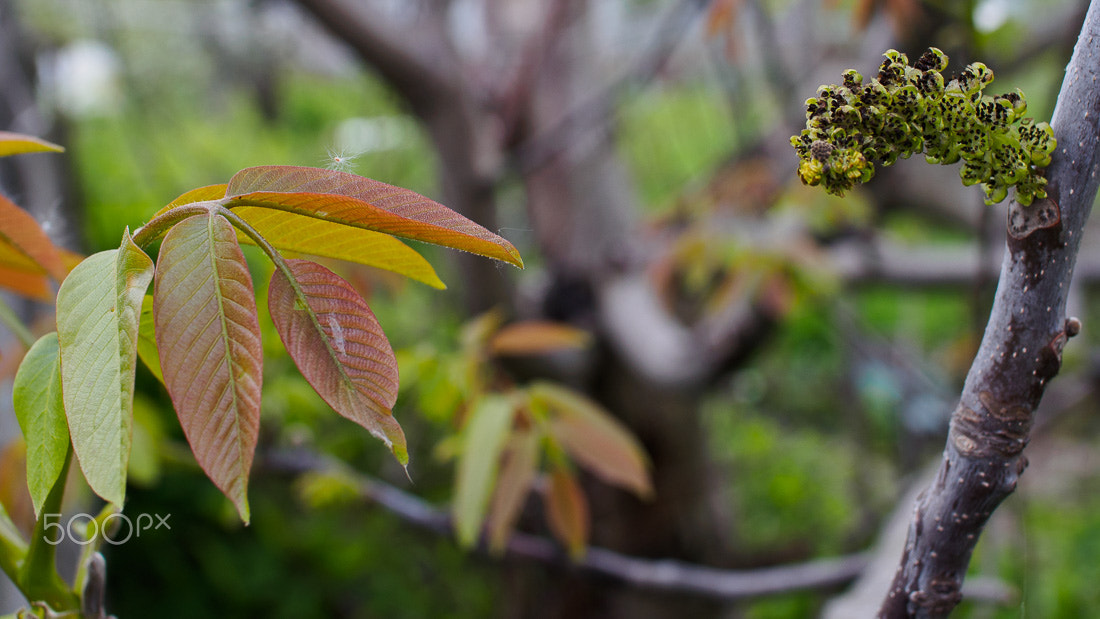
817, 433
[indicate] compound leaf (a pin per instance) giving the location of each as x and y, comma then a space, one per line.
208, 341
339, 347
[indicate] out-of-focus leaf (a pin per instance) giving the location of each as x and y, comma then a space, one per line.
21, 236
147, 338
536, 337
13, 488
567, 512
721, 16
98, 308
17, 143
320, 489
519, 465
208, 341
339, 347
25, 283
595, 439
482, 442
40, 411
363, 203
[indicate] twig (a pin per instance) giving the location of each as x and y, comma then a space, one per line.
1020, 352
542, 148
662, 575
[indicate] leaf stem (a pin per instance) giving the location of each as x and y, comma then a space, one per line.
269, 249
160, 224
86, 551
11, 321
13, 548
38, 579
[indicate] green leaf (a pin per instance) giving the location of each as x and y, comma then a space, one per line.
567, 512
363, 203
208, 341
40, 410
147, 339
595, 439
339, 347
482, 442
517, 473
97, 325
17, 143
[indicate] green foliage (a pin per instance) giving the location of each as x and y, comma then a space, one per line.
669, 138
294, 561
910, 109
203, 329
795, 487
512, 435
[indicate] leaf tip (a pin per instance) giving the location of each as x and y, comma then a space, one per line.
241, 503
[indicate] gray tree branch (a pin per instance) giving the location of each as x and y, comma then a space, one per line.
658, 575
1021, 351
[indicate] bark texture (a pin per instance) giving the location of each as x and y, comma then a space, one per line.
1021, 352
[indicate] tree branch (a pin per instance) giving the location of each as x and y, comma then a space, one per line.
421, 84
661, 575
1020, 352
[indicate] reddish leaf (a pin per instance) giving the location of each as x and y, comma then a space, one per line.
567, 512
30, 285
317, 237
363, 203
16, 143
517, 472
339, 347
21, 233
535, 337
595, 439
208, 338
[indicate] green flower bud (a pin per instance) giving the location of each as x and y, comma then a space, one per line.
911, 109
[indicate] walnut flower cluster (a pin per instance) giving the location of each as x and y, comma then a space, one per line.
910, 109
